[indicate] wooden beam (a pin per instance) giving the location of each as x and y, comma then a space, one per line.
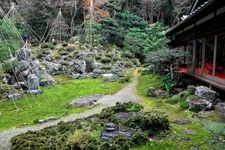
203, 54
214, 55
194, 56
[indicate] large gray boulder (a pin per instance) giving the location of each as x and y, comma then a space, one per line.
198, 104
24, 54
22, 65
86, 100
109, 76
33, 84
206, 93
79, 66
52, 68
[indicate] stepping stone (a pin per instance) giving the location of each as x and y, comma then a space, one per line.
182, 138
182, 121
188, 131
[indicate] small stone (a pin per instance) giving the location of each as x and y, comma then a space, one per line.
111, 127
151, 92
14, 96
182, 121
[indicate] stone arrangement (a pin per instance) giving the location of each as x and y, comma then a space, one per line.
111, 130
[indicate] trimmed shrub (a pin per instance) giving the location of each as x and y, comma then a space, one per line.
79, 137
129, 64
139, 138
63, 53
98, 57
151, 120
105, 60
105, 67
89, 65
64, 44
127, 54
47, 45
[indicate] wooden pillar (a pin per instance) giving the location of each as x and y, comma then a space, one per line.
194, 56
203, 54
214, 55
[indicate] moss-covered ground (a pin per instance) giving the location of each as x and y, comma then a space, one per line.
53, 102
200, 140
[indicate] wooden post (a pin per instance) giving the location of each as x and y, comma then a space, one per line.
203, 55
194, 56
214, 55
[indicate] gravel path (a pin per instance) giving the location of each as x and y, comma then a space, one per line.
127, 94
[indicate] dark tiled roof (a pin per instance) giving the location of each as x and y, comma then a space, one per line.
192, 14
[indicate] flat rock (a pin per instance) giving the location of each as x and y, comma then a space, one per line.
189, 131
182, 121
86, 100
182, 138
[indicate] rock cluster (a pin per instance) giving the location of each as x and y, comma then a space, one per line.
82, 61
205, 99
111, 130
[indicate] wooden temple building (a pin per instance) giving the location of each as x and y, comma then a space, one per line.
202, 34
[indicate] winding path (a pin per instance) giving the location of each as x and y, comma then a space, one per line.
127, 94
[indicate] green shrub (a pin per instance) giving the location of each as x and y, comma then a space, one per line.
98, 57
63, 53
64, 44
79, 137
35, 42
106, 60
215, 127
139, 138
89, 65
109, 55
151, 120
105, 67
127, 54
47, 45
116, 58
183, 103
167, 83
124, 79
9, 65
129, 64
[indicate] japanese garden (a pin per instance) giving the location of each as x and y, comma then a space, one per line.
112, 75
